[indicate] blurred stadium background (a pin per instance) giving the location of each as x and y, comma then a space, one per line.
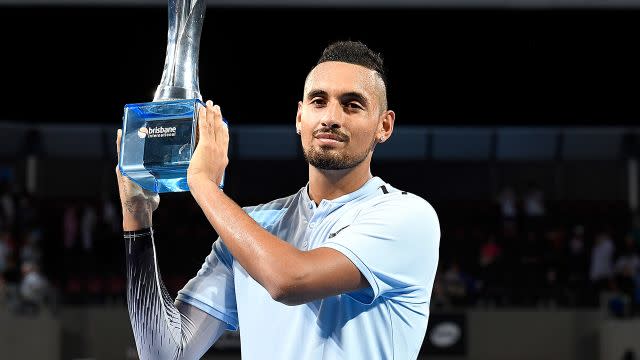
517, 121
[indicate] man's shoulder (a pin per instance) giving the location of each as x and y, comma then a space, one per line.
398, 200
404, 216
268, 213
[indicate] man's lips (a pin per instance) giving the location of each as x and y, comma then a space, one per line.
325, 136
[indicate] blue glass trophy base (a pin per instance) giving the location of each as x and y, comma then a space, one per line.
158, 139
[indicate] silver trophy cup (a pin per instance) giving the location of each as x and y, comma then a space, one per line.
180, 75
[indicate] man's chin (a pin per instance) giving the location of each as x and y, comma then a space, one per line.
324, 162
330, 151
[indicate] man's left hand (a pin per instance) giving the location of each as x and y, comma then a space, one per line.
210, 157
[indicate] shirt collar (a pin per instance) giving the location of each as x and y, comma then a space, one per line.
369, 187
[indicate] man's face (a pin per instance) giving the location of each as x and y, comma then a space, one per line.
340, 118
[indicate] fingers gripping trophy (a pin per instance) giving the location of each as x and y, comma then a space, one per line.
158, 138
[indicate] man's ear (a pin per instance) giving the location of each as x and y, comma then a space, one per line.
299, 118
387, 121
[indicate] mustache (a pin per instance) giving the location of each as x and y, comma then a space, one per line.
339, 134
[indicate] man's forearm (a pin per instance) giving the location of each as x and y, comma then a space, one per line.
135, 222
273, 263
162, 330
136, 213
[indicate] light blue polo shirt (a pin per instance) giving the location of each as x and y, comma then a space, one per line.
390, 235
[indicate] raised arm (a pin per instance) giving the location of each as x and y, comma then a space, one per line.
162, 329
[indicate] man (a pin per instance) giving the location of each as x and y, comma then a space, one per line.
342, 269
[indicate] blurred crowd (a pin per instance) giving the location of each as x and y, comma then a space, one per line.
23, 287
518, 251
54, 252
520, 254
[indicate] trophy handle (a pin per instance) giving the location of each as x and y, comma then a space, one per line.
180, 74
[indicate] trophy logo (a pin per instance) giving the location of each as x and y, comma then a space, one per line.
159, 137
142, 132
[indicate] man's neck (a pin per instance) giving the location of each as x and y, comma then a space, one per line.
331, 184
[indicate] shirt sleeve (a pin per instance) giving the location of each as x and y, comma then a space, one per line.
395, 246
212, 290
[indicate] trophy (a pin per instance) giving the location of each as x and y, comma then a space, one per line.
159, 137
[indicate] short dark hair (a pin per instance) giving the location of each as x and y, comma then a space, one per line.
354, 52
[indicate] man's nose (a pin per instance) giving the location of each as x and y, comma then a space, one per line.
333, 115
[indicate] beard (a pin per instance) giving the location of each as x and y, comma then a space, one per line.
331, 159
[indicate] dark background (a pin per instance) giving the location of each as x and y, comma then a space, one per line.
451, 67
457, 77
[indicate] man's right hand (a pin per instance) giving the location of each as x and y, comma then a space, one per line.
137, 204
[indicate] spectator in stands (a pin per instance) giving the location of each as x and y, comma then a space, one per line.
7, 205
87, 227
534, 208
30, 250
601, 268
489, 268
627, 267
577, 264
489, 252
555, 266
576, 250
34, 288
508, 203
455, 284
70, 227
438, 296
88, 222
109, 216
533, 201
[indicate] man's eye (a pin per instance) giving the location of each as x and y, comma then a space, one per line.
318, 101
354, 106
